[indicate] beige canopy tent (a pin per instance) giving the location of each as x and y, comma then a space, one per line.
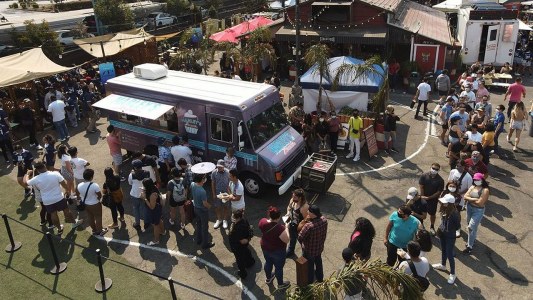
112, 44
26, 66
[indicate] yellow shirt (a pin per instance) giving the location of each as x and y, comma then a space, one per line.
488, 138
357, 124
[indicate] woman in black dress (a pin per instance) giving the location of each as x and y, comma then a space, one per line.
112, 187
239, 239
152, 199
361, 239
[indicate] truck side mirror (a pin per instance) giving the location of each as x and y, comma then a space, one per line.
239, 133
241, 145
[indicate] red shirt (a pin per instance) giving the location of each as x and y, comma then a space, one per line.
394, 68
271, 231
114, 144
480, 167
516, 91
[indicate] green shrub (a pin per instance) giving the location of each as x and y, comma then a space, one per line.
69, 6
23, 5
14, 5
35, 5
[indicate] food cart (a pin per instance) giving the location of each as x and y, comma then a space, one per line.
318, 173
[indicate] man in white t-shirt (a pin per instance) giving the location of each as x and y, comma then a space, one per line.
464, 181
180, 151
49, 184
57, 109
473, 135
236, 191
470, 96
423, 95
89, 193
78, 165
421, 263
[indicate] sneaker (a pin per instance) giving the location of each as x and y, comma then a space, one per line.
78, 223
112, 226
50, 227
68, 137
152, 243
388, 151
467, 250
61, 140
217, 224
507, 139
32, 145
394, 150
269, 280
171, 221
208, 246
432, 231
284, 285
451, 279
122, 178
121, 219
357, 158
225, 224
458, 233
103, 232
349, 156
39, 147
439, 267
60, 230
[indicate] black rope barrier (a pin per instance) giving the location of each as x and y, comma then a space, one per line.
13, 246
58, 267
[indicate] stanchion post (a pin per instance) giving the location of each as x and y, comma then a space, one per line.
13, 246
58, 267
103, 284
172, 290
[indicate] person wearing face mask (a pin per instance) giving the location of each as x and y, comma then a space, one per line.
470, 96
296, 212
431, 185
400, 230
476, 198
235, 191
239, 241
474, 164
418, 206
321, 131
355, 126
335, 126
389, 122
450, 222
463, 114
201, 211
463, 181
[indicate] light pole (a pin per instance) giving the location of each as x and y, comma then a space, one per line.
296, 92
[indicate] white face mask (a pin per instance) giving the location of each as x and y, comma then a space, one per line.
433, 172
452, 189
467, 90
321, 119
478, 182
333, 117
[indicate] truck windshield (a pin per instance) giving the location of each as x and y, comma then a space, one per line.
267, 124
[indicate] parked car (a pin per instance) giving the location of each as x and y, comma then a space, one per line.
161, 19
66, 37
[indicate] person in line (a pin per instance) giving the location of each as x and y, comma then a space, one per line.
179, 150
515, 93
177, 195
235, 191
355, 126
165, 159
518, 123
78, 165
486, 105
463, 181
188, 175
473, 135
351, 291
27, 121
335, 127
24, 160
389, 121
230, 161
89, 193
49, 184
3, 116
135, 179
6, 144
66, 169
463, 114
201, 211
312, 236
481, 92
401, 229
443, 85
152, 200
362, 238
488, 143
423, 238
50, 152
274, 239
296, 212
220, 179
450, 223
476, 198
475, 164
92, 114
421, 264
480, 119
418, 206
45, 216
296, 116
239, 240
149, 163
321, 131
57, 109
113, 141
422, 96
431, 185
499, 120
112, 187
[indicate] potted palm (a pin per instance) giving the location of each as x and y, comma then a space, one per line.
256, 48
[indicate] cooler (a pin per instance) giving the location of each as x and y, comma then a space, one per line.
318, 173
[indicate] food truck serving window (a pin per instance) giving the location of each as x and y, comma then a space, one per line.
267, 124
221, 130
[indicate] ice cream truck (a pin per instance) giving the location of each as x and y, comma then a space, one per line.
214, 113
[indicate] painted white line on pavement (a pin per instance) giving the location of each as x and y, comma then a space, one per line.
422, 146
223, 272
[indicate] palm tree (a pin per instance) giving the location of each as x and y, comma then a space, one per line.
258, 47
371, 67
375, 278
205, 53
318, 54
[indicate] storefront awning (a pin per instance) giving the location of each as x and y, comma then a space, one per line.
369, 36
133, 106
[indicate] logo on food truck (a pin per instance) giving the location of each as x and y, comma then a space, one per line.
191, 122
284, 143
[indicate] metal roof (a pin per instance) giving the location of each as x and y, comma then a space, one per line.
388, 5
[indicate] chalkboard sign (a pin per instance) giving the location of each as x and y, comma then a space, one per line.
371, 143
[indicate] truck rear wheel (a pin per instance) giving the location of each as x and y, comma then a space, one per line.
253, 185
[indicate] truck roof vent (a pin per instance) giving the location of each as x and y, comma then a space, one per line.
150, 71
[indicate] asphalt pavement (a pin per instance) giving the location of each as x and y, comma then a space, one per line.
499, 267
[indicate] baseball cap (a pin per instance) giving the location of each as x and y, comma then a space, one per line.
137, 164
412, 192
478, 176
27, 100
448, 198
221, 163
315, 210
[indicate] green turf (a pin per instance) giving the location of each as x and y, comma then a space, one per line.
24, 274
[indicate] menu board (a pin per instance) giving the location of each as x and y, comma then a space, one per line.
371, 143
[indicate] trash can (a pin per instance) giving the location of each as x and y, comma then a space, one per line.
414, 80
531, 124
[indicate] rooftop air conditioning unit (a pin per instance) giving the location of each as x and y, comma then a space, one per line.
150, 71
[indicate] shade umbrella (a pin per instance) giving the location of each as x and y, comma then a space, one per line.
260, 22
203, 168
227, 35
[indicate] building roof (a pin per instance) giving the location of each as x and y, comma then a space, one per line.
372, 36
388, 5
422, 20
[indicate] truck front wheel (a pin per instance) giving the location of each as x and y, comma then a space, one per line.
253, 185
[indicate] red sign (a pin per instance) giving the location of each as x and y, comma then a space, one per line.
371, 143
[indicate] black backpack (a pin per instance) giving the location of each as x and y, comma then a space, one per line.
423, 282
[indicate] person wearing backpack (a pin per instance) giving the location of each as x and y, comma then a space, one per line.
219, 184
177, 194
417, 266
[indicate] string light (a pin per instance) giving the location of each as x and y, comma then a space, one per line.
345, 26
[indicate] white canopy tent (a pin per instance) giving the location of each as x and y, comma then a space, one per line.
523, 26
133, 106
113, 43
26, 66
